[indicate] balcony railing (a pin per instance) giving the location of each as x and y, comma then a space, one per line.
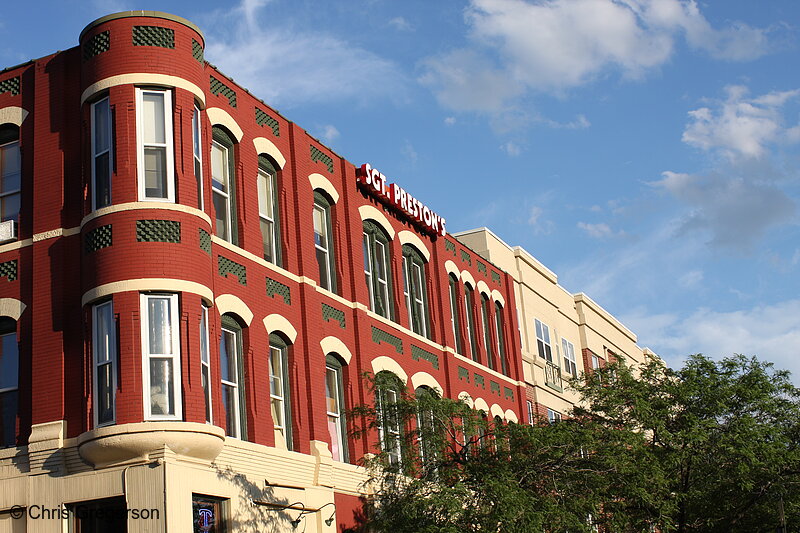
552, 376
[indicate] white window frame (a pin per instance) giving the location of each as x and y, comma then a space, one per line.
96, 154
568, 350
14, 388
543, 336
197, 153
336, 416
234, 385
168, 145
224, 194
553, 416
283, 399
110, 358
389, 426
272, 180
595, 362
367, 248
529, 404
174, 356
326, 251
205, 363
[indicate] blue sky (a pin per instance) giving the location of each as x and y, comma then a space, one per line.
647, 151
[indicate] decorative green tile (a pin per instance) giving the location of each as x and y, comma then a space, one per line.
276, 287
158, 231
217, 87
197, 52
225, 266
8, 269
509, 393
480, 381
11, 85
331, 313
494, 387
319, 155
205, 241
481, 267
263, 119
463, 374
418, 353
466, 257
450, 247
98, 238
495, 277
96, 45
153, 36
379, 336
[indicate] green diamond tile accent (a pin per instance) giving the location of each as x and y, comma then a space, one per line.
11, 85
197, 52
319, 155
494, 387
419, 353
158, 231
8, 270
331, 313
153, 36
276, 287
509, 393
205, 241
97, 238
495, 277
463, 374
217, 87
450, 247
96, 45
263, 119
466, 257
225, 266
481, 267
480, 380
379, 336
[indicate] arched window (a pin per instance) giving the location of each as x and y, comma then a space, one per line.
223, 183
10, 173
102, 153
323, 241
388, 388
414, 290
279, 389
469, 307
501, 342
426, 426
104, 351
9, 382
377, 269
454, 315
231, 367
487, 334
268, 212
334, 404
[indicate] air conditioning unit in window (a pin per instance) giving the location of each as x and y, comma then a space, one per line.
8, 231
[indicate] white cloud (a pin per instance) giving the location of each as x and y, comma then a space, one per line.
329, 133
511, 149
400, 24
741, 126
517, 46
538, 224
597, 231
766, 331
449, 121
287, 66
409, 152
691, 279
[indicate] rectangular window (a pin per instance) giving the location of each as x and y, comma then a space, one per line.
413, 278
469, 302
322, 244
500, 338
389, 424
553, 416
102, 163
569, 357
368, 270
382, 278
9, 383
197, 155
543, 341
595, 362
229, 372
266, 213
205, 362
454, 315
487, 335
104, 341
10, 180
161, 356
530, 411
209, 514
96, 516
155, 147
220, 178
333, 402
279, 399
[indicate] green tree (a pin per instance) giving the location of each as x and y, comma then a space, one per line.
710, 447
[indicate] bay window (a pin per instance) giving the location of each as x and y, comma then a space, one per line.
161, 356
155, 161
231, 374
197, 156
102, 161
104, 350
205, 363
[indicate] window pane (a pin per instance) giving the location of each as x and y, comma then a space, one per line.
219, 167
153, 118
221, 215
105, 402
320, 227
276, 372
332, 390
265, 194
204, 336
160, 325
10, 167
9, 361
102, 180
266, 237
102, 135
162, 395
322, 261
155, 172
196, 133
228, 357
205, 378
104, 336
229, 400
8, 418
10, 207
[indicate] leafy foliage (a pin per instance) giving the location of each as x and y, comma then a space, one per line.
710, 447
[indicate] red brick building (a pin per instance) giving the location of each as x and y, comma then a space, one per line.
191, 287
